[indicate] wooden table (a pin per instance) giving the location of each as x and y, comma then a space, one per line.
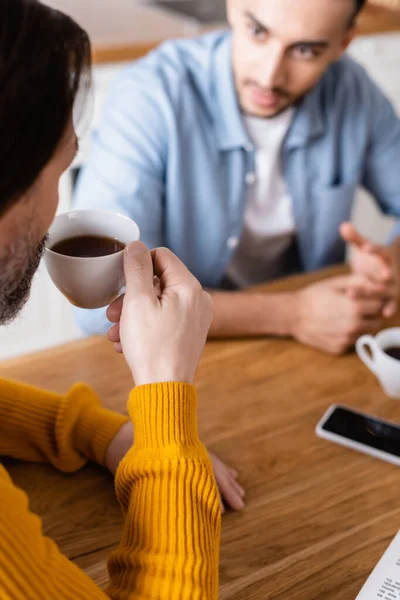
318, 516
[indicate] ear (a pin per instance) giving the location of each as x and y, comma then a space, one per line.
348, 38
232, 11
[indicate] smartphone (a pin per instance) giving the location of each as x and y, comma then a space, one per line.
358, 431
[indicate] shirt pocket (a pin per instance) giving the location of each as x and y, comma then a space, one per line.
333, 206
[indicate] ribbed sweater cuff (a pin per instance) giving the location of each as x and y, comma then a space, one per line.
96, 426
164, 414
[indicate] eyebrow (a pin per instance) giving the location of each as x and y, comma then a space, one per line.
321, 44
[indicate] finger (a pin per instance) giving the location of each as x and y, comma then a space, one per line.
370, 308
390, 308
113, 334
219, 464
114, 311
230, 493
157, 286
238, 487
371, 326
118, 348
377, 268
385, 292
360, 283
359, 293
378, 250
138, 267
169, 269
368, 326
350, 235
367, 289
341, 344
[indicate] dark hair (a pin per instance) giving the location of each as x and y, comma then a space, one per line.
360, 4
45, 60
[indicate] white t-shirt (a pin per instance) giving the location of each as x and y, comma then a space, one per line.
269, 224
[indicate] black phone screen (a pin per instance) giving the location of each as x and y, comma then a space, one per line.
364, 430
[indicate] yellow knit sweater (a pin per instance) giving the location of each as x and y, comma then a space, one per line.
170, 544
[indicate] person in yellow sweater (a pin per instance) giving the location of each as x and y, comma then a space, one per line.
170, 543
165, 482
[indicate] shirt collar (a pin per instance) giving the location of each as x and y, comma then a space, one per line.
308, 122
231, 133
229, 126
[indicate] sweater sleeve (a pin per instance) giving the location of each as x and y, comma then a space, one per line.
170, 542
166, 486
66, 431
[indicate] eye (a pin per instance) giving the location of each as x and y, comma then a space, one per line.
257, 32
305, 52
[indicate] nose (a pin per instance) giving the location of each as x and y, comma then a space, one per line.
272, 67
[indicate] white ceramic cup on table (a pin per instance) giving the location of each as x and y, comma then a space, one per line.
386, 368
89, 282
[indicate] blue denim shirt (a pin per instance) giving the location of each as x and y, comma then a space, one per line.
172, 152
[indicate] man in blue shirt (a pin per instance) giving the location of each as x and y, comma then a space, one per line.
242, 152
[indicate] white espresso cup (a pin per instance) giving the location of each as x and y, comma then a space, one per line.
89, 282
386, 368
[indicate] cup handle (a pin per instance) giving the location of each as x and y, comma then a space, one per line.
367, 340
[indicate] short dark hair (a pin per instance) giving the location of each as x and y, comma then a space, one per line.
45, 60
360, 4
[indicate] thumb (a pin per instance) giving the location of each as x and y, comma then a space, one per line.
350, 235
138, 267
339, 283
355, 283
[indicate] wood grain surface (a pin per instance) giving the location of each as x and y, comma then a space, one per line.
318, 516
115, 53
380, 17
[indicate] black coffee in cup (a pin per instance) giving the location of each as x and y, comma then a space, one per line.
393, 351
88, 246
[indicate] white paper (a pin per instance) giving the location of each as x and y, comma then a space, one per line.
384, 581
